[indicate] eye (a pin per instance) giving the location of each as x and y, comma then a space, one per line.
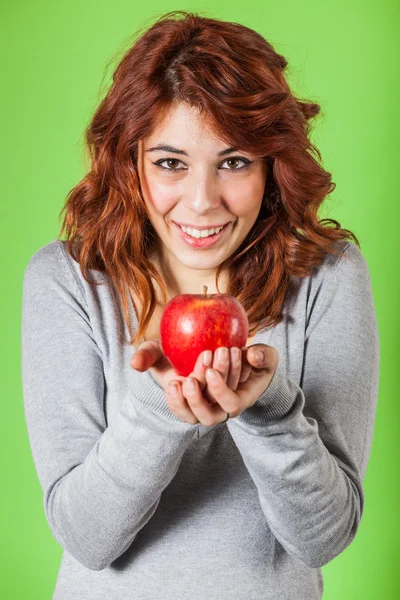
238, 158
167, 160
246, 162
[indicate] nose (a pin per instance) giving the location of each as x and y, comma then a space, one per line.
202, 194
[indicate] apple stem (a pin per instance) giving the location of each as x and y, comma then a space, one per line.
205, 290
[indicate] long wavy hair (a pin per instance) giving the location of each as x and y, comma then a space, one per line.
235, 79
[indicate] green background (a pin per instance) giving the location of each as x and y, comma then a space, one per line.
54, 69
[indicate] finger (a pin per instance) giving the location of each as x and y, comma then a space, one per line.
226, 398
245, 374
246, 367
177, 403
257, 383
203, 361
207, 414
262, 356
146, 355
221, 361
235, 367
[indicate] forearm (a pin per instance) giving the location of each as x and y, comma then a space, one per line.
312, 501
96, 510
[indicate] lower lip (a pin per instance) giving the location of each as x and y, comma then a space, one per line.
206, 242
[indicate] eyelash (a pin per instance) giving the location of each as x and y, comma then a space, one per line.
245, 160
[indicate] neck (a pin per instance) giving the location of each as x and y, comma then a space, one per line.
180, 280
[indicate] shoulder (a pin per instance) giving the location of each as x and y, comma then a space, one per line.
352, 265
338, 278
348, 264
46, 255
52, 265
46, 261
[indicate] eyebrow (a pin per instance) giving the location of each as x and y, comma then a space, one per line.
166, 148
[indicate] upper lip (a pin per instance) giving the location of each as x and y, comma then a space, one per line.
201, 227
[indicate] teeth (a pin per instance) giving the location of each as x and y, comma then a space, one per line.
201, 234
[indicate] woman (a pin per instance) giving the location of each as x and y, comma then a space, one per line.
159, 496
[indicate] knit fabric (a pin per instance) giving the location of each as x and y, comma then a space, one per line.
147, 507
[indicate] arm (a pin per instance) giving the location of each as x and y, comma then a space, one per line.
307, 447
101, 483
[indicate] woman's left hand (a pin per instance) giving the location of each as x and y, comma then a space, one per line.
209, 403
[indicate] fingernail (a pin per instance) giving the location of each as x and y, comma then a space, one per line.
207, 357
222, 354
258, 356
210, 374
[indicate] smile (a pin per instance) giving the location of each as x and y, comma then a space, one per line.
201, 239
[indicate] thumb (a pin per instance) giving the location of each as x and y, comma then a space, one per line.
268, 359
146, 355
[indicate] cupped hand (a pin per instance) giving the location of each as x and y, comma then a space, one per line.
209, 406
240, 380
150, 356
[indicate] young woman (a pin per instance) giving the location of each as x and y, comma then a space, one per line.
244, 485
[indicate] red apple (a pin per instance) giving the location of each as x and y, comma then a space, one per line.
192, 323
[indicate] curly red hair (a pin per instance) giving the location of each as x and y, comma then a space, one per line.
235, 78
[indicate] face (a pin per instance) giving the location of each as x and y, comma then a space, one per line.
199, 181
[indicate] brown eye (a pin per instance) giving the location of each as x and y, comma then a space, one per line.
172, 160
233, 160
168, 169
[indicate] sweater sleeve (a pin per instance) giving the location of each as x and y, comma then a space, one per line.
101, 484
306, 447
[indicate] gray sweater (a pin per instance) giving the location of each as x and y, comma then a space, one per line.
147, 507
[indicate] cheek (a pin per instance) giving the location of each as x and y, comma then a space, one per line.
162, 198
246, 198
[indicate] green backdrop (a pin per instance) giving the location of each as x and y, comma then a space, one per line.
54, 59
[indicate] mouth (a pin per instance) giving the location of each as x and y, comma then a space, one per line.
200, 227
202, 242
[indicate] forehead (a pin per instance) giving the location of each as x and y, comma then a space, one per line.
185, 127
